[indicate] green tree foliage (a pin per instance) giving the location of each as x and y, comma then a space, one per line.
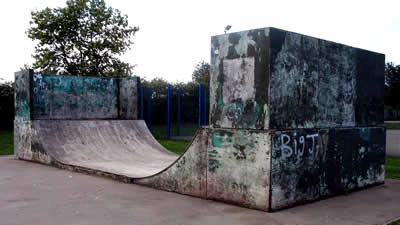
392, 85
201, 73
159, 87
84, 38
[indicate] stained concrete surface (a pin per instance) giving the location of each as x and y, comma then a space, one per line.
393, 143
39, 194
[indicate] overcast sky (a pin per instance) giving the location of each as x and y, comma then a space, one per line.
175, 35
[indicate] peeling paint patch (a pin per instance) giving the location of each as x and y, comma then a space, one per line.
239, 80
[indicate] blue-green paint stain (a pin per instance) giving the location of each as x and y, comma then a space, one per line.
365, 134
22, 96
216, 140
241, 115
74, 97
220, 94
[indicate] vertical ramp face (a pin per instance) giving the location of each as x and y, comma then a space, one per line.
188, 174
238, 169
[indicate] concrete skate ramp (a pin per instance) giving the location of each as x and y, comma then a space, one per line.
122, 147
293, 119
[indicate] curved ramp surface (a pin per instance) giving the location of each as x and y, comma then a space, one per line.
122, 147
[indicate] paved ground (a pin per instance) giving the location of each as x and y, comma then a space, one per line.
36, 194
393, 143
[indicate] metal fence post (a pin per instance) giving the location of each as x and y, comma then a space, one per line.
205, 108
179, 113
141, 103
199, 106
168, 112
149, 108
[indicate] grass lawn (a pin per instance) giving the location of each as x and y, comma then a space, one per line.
395, 126
177, 146
392, 168
160, 131
6, 143
395, 223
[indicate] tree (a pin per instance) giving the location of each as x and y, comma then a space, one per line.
159, 87
84, 38
392, 85
392, 74
201, 73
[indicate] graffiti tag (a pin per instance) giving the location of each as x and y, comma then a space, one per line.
298, 145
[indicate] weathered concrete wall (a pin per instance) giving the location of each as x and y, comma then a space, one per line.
240, 80
271, 78
238, 169
22, 104
128, 98
188, 175
75, 97
27, 144
309, 164
22, 95
318, 83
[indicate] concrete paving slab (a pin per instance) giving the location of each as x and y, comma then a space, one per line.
38, 194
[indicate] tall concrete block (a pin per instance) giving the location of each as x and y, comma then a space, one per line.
320, 104
271, 78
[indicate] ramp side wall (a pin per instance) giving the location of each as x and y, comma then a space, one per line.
310, 164
23, 110
228, 165
188, 175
